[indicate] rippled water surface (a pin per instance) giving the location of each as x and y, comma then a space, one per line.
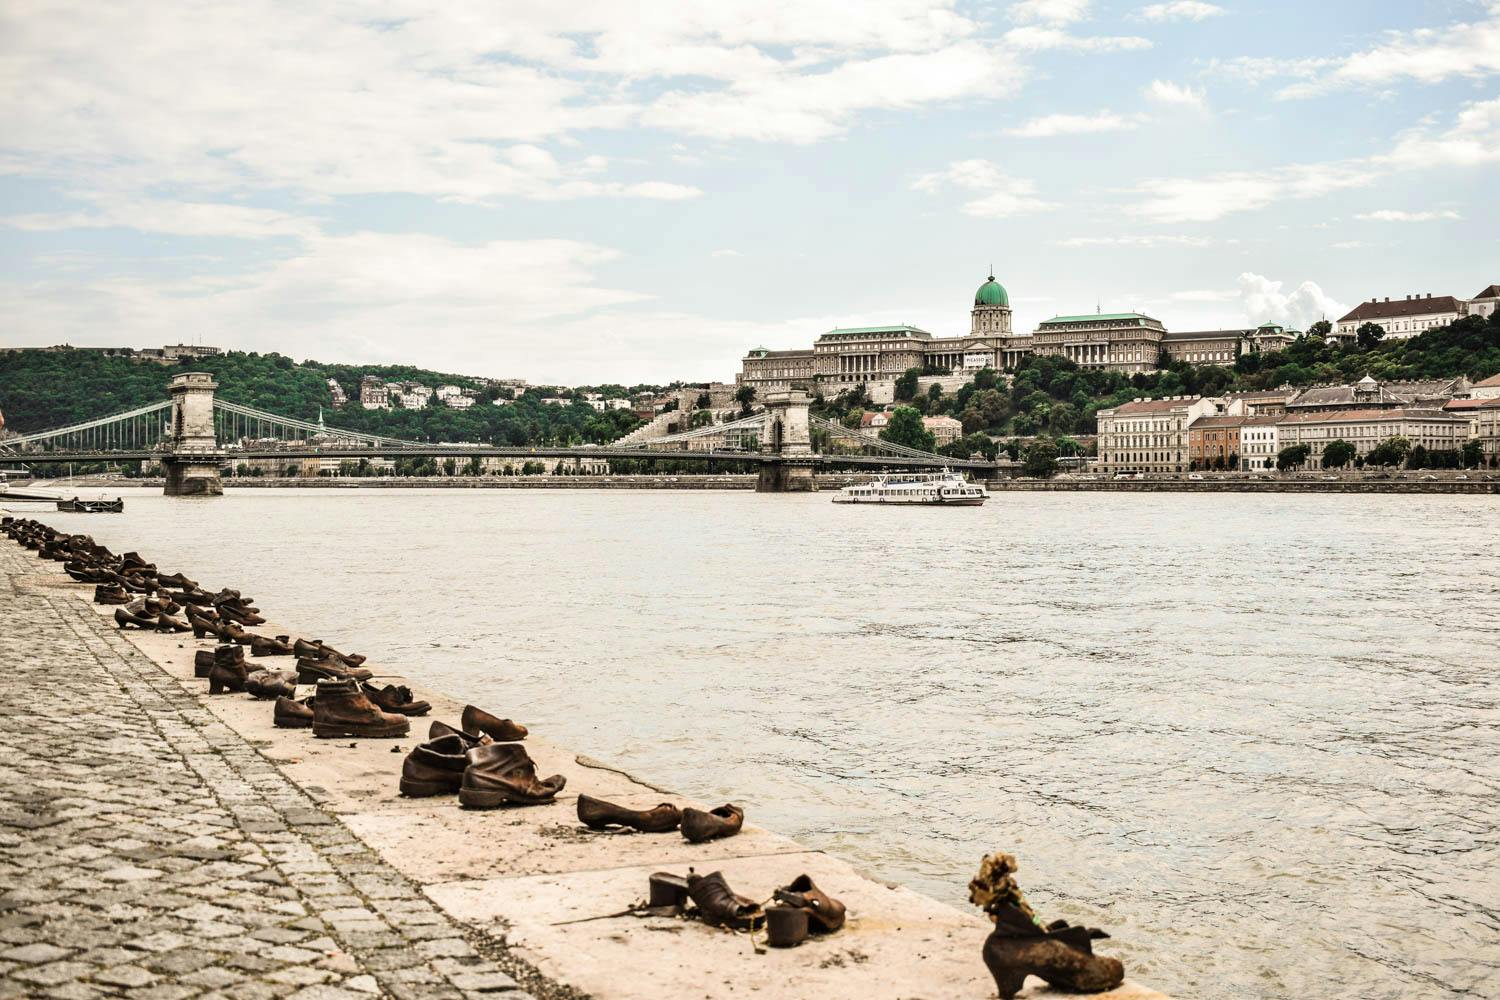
1255, 737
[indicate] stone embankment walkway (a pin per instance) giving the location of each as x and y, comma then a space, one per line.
149, 851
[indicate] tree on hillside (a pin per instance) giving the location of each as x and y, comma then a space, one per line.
1368, 335
745, 396
1321, 329
906, 383
1292, 456
1391, 451
1472, 454
905, 428
1337, 454
1041, 459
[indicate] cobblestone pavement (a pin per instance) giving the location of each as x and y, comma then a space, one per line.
148, 851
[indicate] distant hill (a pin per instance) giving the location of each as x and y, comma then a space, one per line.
43, 389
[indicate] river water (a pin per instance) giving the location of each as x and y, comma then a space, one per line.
1256, 737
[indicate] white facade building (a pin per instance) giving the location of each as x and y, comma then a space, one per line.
1433, 429
1403, 318
1486, 302
1150, 435
1259, 443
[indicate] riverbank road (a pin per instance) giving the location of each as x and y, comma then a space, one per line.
149, 851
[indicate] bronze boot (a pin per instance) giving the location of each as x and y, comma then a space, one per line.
262, 646
227, 677
719, 906
342, 709
290, 714
725, 821
313, 671
110, 593
203, 662
824, 913
477, 720
1011, 959
269, 684
500, 773
434, 768
597, 814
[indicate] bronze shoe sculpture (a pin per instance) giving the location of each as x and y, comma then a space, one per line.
440, 729
227, 677
204, 626
203, 662
668, 894
802, 908
397, 698
317, 649
477, 720
110, 593
129, 619
166, 623
725, 821
312, 671
341, 709
434, 768
177, 580
263, 646
597, 814
719, 906
290, 714
503, 773
269, 684
1020, 946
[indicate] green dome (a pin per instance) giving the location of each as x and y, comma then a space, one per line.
992, 293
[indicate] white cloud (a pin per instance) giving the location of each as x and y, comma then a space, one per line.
1051, 11
1263, 301
726, 253
1003, 196
1181, 95
1036, 38
1180, 10
1138, 241
179, 218
1397, 215
1473, 141
1204, 295
1426, 55
1050, 125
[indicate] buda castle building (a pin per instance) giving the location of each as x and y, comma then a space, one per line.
1127, 342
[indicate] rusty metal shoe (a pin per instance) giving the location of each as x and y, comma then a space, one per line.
786, 926
342, 709
725, 821
317, 649
504, 774
269, 684
261, 645
434, 768
166, 623
477, 720
111, 593
127, 619
597, 814
398, 699
668, 893
230, 612
313, 671
440, 729
177, 580
719, 906
1018, 948
824, 913
203, 626
203, 662
227, 677
290, 714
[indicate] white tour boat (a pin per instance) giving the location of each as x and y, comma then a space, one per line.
940, 489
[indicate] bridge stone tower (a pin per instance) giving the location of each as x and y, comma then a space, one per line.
788, 438
194, 457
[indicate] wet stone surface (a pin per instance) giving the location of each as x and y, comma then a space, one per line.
148, 851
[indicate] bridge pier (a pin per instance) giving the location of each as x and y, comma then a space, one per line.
193, 462
788, 436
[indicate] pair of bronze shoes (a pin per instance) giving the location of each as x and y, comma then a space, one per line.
484, 773
801, 908
697, 825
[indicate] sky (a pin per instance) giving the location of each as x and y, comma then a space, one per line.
605, 191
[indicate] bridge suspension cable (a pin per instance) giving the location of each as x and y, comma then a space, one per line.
868, 441
754, 421
237, 420
137, 428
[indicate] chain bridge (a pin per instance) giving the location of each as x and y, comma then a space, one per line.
194, 435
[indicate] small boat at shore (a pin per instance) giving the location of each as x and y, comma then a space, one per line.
79, 506
935, 489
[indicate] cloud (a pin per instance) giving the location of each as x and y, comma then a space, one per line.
1425, 55
1263, 301
1035, 38
1180, 10
726, 253
178, 218
1051, 125
1473, 141
1167, 92
1138, 241
1050, 11
1004, 196
1397, 215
